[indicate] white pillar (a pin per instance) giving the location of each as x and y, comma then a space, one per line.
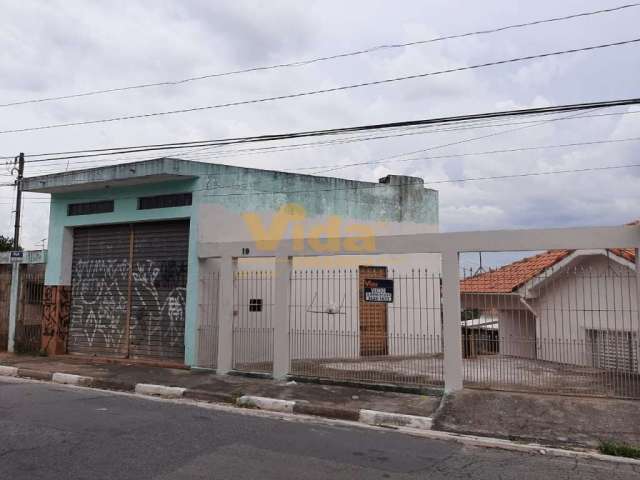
14, 305
281, 352
451, 317
228, 268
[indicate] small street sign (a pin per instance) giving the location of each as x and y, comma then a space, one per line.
17, 256
377, 290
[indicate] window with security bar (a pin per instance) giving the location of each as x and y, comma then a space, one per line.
165, 201
255, 304
90, 208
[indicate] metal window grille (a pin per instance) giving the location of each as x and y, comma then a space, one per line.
89, 208
165, 201
255, 304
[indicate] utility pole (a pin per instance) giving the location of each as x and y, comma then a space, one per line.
15, 271
16, 231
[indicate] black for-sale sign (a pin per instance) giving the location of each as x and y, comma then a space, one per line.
378, 290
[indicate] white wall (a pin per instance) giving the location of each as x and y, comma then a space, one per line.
324, 313
601, 295
324, 307
517, 332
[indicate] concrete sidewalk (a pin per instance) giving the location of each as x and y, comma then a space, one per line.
331, 401
546, 419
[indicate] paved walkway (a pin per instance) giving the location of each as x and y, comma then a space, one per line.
330, 396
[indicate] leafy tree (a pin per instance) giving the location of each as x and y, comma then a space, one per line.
6, 244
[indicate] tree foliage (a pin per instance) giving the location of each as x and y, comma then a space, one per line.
6, 244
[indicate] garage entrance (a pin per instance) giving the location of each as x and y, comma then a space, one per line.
128, 290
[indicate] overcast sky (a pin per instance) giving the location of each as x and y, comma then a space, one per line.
53, 48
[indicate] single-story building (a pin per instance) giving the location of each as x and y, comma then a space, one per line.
576, 307
124, 277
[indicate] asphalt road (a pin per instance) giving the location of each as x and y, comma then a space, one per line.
49, 431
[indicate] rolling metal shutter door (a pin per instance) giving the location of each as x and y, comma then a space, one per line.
99, 291
158, 299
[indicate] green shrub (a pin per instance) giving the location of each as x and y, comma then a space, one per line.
619, 449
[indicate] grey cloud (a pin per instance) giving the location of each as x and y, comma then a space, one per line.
79, 45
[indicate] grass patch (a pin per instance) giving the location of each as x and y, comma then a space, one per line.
619, 449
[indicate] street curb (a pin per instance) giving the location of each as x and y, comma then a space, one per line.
105, 384
159, 390
415, 425
70, 379
502, 444
264, 403
205, 396
35, 374
373, 417
336, 413
8, 371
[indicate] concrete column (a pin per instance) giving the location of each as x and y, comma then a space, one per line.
282, 290
228, 268
14, 305
451, 317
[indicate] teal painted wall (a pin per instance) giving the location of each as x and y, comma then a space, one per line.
236, 189
125, 211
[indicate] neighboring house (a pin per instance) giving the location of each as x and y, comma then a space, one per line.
573, 307
126, 277
28, 300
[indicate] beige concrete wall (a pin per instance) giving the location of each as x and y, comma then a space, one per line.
324, 310
324, 317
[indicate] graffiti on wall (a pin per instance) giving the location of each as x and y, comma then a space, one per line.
158, 312
154, 301
100, 299
56, 301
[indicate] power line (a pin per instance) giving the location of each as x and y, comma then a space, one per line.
395, 157
320, 91
420, 182
465, 140
208, 144
324, 58
437, 182
439, 157
492, 152
535, 174
460, 180
342, 141
337, 131
545, 110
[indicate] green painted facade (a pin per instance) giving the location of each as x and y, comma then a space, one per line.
401, 199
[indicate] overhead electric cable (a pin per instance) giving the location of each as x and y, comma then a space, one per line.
324, 58
335, 131
319, 91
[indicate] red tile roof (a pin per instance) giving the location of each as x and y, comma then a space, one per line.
509, 278
626, 253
